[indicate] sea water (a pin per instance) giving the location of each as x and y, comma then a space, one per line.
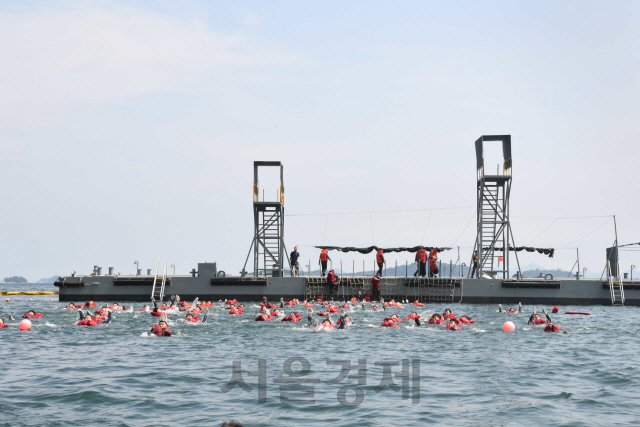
277, 373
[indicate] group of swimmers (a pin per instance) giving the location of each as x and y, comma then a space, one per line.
103, 315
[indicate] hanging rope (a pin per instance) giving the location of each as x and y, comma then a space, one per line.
373, 239
573, 243
325, 229
425, 229
542, 232
465, 229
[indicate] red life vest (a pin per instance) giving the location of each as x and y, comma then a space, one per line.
539, 321
552, 328
379, 257
323, 255
4, 325
422, 255
331, 278
157, 330
194, 319
433, 264
450, 327
375, 282
32, 316
86, 322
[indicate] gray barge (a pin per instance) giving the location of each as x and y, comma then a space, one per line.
491, 282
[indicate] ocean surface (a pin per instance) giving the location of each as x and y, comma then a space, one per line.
60, 374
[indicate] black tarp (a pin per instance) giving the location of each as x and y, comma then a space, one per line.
546, 251
376, 248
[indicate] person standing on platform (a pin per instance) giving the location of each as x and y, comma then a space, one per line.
433, 263
421, 260
324, 257
475, 263
295, 265
380, 261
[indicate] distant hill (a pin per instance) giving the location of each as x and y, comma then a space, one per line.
51, 279
15, 279
557, 274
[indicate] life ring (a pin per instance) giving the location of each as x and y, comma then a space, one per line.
578, 312
221, 274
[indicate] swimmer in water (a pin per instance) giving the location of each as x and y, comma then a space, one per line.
453, 325
161, 329
511, 310
342, 320
309, 317
549, 326
3, 324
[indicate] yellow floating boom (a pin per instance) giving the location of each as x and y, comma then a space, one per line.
31, 293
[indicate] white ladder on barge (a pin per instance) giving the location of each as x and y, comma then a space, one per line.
158, 288
616, 287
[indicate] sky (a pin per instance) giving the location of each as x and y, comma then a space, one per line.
128, 129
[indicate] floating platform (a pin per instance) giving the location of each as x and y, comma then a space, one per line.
445, 290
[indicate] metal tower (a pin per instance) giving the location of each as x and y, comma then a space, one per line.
269, 251
494, 236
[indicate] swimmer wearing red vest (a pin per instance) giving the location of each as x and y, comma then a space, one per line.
380, 261
549, 326
156, 310
326, 324
421, 260
161, 329
32, 315
324, 257
511, 310
436, 319
453, 325
3, 324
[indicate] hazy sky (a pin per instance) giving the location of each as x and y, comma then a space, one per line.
128, 130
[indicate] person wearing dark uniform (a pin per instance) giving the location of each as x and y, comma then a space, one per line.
380, 261
295, 266
421, 259
324, 257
